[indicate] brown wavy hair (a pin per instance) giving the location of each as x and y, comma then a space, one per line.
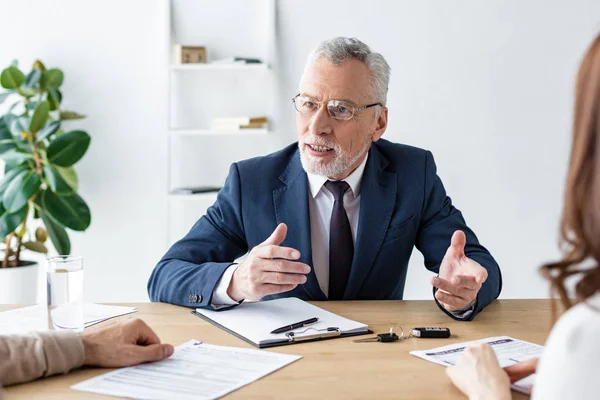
580, 224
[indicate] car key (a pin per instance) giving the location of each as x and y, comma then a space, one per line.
431, 332
382, 337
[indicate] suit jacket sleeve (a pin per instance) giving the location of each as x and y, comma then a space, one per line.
439, 221
190, 270
27, 357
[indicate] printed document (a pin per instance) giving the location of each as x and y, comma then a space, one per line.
195, 371
508, 350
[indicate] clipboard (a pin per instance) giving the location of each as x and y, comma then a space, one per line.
290, 340
251, 322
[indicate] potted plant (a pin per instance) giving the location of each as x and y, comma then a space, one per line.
38, 193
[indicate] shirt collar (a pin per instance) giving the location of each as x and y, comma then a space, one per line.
316, 182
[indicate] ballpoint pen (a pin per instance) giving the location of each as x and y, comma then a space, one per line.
296, 325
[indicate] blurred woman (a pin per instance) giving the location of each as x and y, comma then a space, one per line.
570, 363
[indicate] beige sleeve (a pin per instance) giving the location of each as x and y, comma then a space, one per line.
39, 354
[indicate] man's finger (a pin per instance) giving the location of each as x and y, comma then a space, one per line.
279, 278
285, 266
144, 334
269, 288
269, 251
278, 235
455, 303
466, 281
448, 287
457, 243
154, 352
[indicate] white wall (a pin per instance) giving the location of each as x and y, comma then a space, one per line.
112, 54
487, 86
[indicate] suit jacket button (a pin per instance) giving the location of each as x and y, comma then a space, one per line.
198, 298
192, 298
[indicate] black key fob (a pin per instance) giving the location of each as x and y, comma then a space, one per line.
387, 337
434, 332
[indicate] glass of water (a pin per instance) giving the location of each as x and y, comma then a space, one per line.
65, 292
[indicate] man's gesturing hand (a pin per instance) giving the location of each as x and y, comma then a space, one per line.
460, 277
268, 269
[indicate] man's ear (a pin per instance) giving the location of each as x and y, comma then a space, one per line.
382, 121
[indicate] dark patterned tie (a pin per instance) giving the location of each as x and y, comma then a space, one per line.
341, 245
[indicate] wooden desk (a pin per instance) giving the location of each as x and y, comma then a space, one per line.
336, 369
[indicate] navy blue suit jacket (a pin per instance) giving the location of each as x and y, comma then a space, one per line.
403, 204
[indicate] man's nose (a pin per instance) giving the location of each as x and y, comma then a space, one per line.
320, 121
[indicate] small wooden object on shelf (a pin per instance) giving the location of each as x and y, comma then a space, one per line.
190, 54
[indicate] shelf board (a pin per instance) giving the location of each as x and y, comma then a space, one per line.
193, 196
217, 67
217, 132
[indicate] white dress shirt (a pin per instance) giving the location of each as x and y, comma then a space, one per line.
320, 204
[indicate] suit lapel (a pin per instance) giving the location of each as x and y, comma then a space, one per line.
377, 200
291, 208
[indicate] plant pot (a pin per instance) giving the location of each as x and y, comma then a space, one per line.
18, 285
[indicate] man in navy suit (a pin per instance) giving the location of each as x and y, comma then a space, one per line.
334, 216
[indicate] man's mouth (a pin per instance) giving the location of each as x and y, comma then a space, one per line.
321, 149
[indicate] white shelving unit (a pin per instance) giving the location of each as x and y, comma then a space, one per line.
215, 66
226, 28
218, 132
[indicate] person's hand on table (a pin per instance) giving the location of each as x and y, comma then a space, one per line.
123, 344
268, 269
478, 375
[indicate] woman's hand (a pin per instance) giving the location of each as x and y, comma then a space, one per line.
478, 375
521, 370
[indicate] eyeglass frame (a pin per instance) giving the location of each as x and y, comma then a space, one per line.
319, 103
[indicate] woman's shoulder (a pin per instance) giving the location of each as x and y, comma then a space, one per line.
580, 322
571, 355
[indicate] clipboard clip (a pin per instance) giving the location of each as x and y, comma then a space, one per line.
320, 333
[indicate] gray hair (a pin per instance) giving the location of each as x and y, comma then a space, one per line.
340, 49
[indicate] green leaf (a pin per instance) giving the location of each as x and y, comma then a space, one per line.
53, 78
54, 98
19, 125
10, 221
20, 189
56, 181
32, 78
8, 177
70, 176
40, 116
15, 157
6, 139
69, 211
11, 78
68, 148
38, 247
65, 115
26, 92
48, 130
58, 235
31, 105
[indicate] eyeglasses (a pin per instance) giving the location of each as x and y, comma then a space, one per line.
338, 109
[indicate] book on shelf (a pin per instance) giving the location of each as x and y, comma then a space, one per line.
237, 60
196, 190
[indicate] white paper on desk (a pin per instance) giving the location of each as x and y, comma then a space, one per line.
195, 371
35, 318
255, 321
508, 350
